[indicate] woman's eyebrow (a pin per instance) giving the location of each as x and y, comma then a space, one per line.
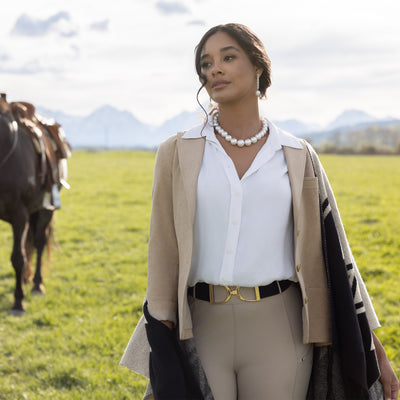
221, 50
229, 48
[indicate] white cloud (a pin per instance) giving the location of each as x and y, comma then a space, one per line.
326, 56
99, 25
28, 26
31, 68
173, 7
199, 22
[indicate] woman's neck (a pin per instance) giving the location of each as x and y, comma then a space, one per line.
240, 122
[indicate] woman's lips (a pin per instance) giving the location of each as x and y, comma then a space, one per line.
220, 84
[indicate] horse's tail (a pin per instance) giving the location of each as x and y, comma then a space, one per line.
50, 239
29, 249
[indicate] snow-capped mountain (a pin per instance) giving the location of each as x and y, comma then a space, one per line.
106, 127
351, 118
110, 128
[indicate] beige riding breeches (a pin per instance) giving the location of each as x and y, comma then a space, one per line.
253, 350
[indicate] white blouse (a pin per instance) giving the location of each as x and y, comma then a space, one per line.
243, 228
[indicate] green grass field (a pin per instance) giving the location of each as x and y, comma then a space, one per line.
70, 341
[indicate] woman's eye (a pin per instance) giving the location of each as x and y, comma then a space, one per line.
229, 57
205, 65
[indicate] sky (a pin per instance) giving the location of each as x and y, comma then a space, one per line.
138, 55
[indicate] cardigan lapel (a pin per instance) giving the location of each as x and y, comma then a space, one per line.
190, 154
296, 161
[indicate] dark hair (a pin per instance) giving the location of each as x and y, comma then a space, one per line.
249, 42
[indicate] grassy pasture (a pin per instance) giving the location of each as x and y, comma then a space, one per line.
69, 343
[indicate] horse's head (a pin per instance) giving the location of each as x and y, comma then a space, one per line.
7, 120
4, 106
8, 130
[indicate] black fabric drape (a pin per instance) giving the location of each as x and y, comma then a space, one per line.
171, 376
351, 335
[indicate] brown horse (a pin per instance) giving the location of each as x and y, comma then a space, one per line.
21, 199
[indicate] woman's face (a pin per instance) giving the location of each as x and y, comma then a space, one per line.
230, 75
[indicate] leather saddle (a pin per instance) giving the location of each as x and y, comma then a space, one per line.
48, 139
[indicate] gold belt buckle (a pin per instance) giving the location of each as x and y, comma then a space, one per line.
232, 292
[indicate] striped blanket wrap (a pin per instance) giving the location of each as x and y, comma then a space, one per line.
347, 369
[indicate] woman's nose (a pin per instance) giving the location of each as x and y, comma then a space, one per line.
216, 68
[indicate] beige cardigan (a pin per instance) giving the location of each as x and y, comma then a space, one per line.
177, 167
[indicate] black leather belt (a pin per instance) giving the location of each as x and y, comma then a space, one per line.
205, 291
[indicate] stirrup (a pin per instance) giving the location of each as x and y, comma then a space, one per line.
55, 194
46, 204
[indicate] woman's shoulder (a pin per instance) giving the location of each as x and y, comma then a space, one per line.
192, 133
305, 145
168, 145
170, 141
287, 138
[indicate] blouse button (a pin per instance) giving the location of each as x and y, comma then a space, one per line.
305, 300
298, 267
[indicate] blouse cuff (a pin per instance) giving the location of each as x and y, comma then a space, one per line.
162, 311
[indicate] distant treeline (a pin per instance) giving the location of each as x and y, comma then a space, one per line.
372, 140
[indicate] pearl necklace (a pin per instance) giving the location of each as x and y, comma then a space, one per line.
240, 142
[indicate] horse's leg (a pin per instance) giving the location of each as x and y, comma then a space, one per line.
40, 241
18, 259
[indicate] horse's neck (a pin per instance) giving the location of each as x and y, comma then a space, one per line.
6, 133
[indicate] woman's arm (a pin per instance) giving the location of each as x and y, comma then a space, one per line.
388, 377
162, 274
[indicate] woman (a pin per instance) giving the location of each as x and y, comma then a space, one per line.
236, 254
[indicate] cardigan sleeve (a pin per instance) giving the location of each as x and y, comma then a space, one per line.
162, 274
347, 253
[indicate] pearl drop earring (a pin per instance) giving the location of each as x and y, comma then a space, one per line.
258, 93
